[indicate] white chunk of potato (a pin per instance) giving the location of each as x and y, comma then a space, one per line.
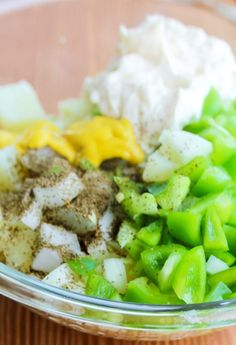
46, 260
61, 193
115, 273
10, 177
32, 216
20, 247
58, 237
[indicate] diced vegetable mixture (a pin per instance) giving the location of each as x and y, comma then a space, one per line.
82, 207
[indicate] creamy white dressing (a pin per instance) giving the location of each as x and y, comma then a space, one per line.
162, 74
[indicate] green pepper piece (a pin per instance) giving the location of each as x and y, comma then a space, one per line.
127, 233
99, 287
228, 277
213, 180
166, 275
194, 168
230, 167
135, 247
230, 233
224, 204
154, 258
175, 192
224, 144
218, 293
212, 104
185, 227
151, 234
83, 266
141, 290
232, 219
213, 234
189, 282
227, 257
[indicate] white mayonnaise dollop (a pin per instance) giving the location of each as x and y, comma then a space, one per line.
162, 74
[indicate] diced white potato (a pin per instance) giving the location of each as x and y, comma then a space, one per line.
10, 178
60, 193
177, 148
181, 146
97, 248
20, 247
32, 216
115, 273
19, 106
158, 168
75, 219
46, 260
62, 276
56, 236
106, 223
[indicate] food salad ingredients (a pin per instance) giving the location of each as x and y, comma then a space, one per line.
83, 207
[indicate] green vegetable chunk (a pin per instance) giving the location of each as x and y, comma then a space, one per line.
154, 258
167, 273
99, 287
175, 192
83, 266
127, 233
218, 293
213, 103
213, 234
195, 168
185, 227
151, 234
230, 233
189, 282
213, 180
228, 277
141, 290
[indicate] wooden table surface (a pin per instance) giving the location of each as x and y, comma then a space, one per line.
55, 47
20, 326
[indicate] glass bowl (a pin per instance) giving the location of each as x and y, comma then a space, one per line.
54, 46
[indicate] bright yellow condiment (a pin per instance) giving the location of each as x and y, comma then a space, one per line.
97, 140
104, 138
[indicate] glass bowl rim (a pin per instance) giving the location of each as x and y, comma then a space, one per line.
75, 297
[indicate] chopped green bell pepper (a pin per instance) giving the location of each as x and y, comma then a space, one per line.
230, 167
189, 282
83, 266
185, 227
151, 234
135, 247
212, 104
127, 233
99, 287
230, 233
224, 144
167, 273
154, 258
227, 257
213, 180
213, 234
174, 193
141, 290
228, 277
194, 168
218, 293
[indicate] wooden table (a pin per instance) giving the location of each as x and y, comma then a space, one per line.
19, 326
54, 48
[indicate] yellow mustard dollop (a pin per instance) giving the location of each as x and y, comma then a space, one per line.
97, 140
45, 133
6, 138
104, 138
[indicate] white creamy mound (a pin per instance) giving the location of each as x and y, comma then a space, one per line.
162, 74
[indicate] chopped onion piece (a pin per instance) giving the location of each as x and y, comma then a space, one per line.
32, 216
